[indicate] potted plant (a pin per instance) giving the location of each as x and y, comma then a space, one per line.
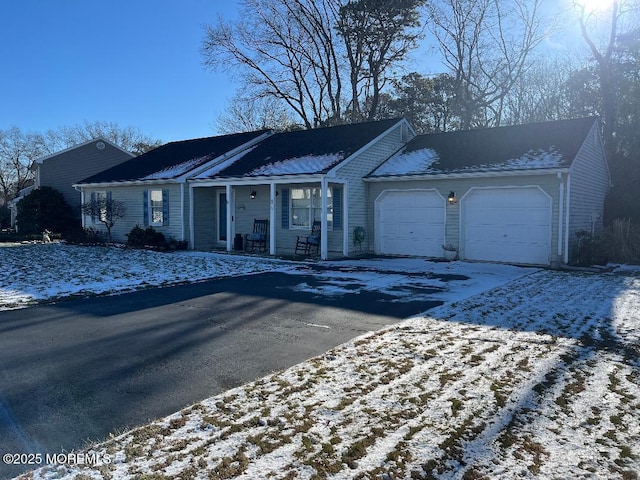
449, 252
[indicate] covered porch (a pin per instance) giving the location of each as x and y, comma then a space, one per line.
222, 209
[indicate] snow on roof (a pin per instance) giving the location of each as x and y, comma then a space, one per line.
220, 166
533, 159
298, 165
418, 161
427, 161
177, 170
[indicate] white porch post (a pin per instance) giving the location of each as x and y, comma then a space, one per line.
345, 219
272, 219
324, 244
229, 192
191, 215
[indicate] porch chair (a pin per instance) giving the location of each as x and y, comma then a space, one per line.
258, 238
311, 243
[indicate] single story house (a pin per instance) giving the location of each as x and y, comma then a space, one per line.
209, 190
510, 194
61, 170
514, 194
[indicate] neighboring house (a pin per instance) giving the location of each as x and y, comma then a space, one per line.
210, 194
63, 169
513, 194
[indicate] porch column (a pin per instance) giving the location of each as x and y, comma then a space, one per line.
272, 219
191, 215
345, 219
229, 192
324, 243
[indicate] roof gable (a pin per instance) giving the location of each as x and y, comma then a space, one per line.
78, 146
534, 146
303, 152
174, 159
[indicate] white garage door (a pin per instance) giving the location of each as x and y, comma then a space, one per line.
507, 225
410, 223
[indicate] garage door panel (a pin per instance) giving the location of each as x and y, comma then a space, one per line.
410, 223
507, 225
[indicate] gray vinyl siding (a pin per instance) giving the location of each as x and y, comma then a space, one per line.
133, 199
461, 186
360, 214
590, 183
72, 166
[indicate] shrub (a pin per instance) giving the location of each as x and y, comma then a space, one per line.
619, 242
85, 236
148, 237
46, 209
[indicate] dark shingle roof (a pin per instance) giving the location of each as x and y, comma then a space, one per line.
173, 159
304, 151
532, 146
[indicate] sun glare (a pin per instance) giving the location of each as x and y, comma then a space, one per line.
594, 6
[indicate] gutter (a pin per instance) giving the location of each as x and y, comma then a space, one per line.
477, 174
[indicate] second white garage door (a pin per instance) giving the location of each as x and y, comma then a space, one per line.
410, 223
510, 225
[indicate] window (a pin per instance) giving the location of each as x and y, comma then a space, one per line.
306, 206
156, 208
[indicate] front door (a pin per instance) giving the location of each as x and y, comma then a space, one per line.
222, 217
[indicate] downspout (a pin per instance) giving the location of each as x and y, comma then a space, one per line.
566, 235
561, 216
323, 221
229, 192
272, 219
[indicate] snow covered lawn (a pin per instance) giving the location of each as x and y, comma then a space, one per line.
45, 272
536, 378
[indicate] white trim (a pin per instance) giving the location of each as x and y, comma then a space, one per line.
482, 174
129, 183
230, 211
376, 238
324, 242
462, 233
150, 209
192, 232
560, 215
225, 156
333, 171
182, 229
272, 218
567, 225
247, 181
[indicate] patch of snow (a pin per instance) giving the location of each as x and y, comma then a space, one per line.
220, 166
178, 170
299, 165
411, 163
534, 159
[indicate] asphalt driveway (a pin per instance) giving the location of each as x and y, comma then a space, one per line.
78, 370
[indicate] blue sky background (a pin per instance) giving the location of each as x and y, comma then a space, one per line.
133, 62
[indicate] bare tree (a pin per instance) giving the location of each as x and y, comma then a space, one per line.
128, 138
377, 35
105, 210
283, 49
486, 44
18, 151
244, 114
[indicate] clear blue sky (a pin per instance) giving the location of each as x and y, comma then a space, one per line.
133, 62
